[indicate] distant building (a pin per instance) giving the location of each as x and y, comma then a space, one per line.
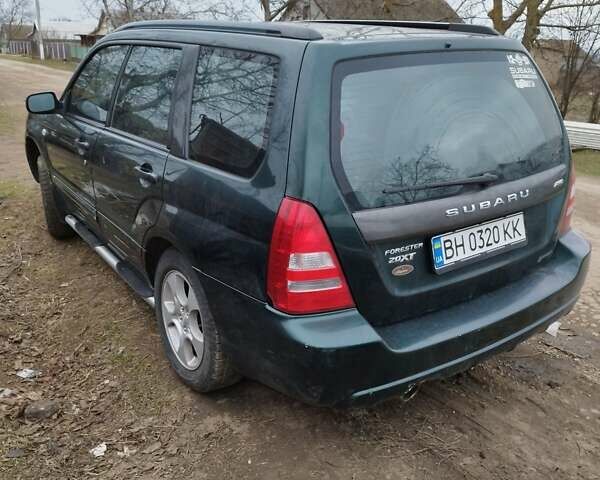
9, 33
552, 55
65, 30
423, 10
63, 40
101, 29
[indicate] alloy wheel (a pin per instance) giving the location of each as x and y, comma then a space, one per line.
182, 320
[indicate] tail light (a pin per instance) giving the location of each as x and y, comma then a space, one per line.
304, 275
569, 207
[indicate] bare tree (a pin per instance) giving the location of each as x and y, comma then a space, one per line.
574, 24
406, 173
594, 116
273, 9
234, 10
13, 14
119, 12
530, 15
582, 48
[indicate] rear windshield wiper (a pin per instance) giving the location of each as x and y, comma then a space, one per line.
484, 179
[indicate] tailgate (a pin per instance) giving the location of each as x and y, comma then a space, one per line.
454, 166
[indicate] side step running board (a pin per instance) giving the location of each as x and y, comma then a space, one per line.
127, 273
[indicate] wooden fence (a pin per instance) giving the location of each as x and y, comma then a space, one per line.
53, 49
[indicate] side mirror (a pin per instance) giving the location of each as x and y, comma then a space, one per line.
45, 102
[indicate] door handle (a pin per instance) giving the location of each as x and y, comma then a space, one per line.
146, 173
82, 143
82, 148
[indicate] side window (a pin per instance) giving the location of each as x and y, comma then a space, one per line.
92, 91
231, 105
144, 97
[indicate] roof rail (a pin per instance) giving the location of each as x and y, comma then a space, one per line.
453, 27
272, 29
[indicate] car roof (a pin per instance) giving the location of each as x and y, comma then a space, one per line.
315, 30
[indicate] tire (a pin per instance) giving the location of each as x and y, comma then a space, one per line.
54, 216
211, 369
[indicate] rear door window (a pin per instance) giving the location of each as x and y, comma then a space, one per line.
412, 120
231, 109
92, 91
143, 103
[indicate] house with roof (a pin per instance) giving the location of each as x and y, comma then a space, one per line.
552, 56
63, 40
66, 30
424, 10
102, 28
13, 32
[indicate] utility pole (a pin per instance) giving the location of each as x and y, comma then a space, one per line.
38, 17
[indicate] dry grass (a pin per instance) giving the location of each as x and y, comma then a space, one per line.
11, 188
7, 120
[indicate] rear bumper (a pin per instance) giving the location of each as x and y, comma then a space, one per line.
340, 359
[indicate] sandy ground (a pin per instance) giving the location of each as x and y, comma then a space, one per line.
531, 413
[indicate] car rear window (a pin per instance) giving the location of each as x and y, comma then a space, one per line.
406, 121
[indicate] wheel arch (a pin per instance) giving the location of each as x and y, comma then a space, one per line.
155, 247
32, 152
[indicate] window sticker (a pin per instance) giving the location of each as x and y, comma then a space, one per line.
522, 71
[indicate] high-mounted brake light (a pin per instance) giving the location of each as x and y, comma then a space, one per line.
304, 275
569, 207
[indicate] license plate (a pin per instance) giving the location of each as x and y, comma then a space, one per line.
455, 249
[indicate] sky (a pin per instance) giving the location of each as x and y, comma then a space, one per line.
71, 9
74, 10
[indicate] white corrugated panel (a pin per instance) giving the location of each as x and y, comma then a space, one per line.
584, 135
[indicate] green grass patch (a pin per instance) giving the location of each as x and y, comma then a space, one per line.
12, 189
587, 162
58, 64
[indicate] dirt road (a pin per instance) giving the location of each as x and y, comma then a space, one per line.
531, 413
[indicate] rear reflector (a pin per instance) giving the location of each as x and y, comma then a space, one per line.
304, 275
569, 207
